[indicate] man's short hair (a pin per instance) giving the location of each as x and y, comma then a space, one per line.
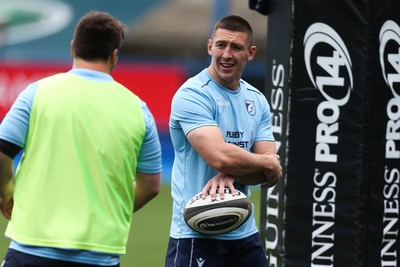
97, 35
234, 23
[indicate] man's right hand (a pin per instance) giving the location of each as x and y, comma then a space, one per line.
274, 173
6, 206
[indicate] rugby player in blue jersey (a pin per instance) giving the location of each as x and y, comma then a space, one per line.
220, 128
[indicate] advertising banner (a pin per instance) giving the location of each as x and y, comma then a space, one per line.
328, 136
155, 83
338, 203
144, 79
384, 186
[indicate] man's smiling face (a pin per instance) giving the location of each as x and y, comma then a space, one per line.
229, 51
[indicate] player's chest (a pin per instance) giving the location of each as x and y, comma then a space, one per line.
238, 121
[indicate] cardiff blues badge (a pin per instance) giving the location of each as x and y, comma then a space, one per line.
251, 109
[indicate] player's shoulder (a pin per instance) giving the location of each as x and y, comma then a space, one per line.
250, 88
198, 81
195, 86
54, 77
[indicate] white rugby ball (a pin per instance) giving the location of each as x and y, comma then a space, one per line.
218, 216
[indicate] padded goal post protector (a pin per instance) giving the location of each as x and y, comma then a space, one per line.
329, 134
329, 210
272, 210
384, 183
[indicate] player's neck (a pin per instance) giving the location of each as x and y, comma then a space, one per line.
92, 65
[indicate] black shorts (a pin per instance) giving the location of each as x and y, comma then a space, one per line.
16, 258
202, 252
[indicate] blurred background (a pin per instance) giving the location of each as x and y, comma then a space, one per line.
165, 44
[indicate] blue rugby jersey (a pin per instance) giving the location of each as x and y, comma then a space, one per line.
243, 117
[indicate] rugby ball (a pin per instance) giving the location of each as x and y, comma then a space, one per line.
219, 216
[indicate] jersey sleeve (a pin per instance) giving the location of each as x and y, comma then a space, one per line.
149, 160
15, 125
191, 109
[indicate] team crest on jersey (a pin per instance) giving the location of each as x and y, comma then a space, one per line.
251, 109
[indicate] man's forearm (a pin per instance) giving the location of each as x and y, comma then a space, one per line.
251, 179
147, 187
6, 175
239, 162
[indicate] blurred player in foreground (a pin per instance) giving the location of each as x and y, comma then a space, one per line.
221, 131
91, 158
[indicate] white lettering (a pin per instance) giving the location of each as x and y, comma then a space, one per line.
324, 195
391, 211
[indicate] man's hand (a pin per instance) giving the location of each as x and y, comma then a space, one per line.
274, 173
219, 181
6, 185
6, 206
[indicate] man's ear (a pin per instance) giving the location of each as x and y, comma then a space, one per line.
252, 53
209, 45
115, 56
72, 51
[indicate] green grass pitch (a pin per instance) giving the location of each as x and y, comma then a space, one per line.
149, 233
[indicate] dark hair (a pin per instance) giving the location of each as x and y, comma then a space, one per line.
234, 23
97, 35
